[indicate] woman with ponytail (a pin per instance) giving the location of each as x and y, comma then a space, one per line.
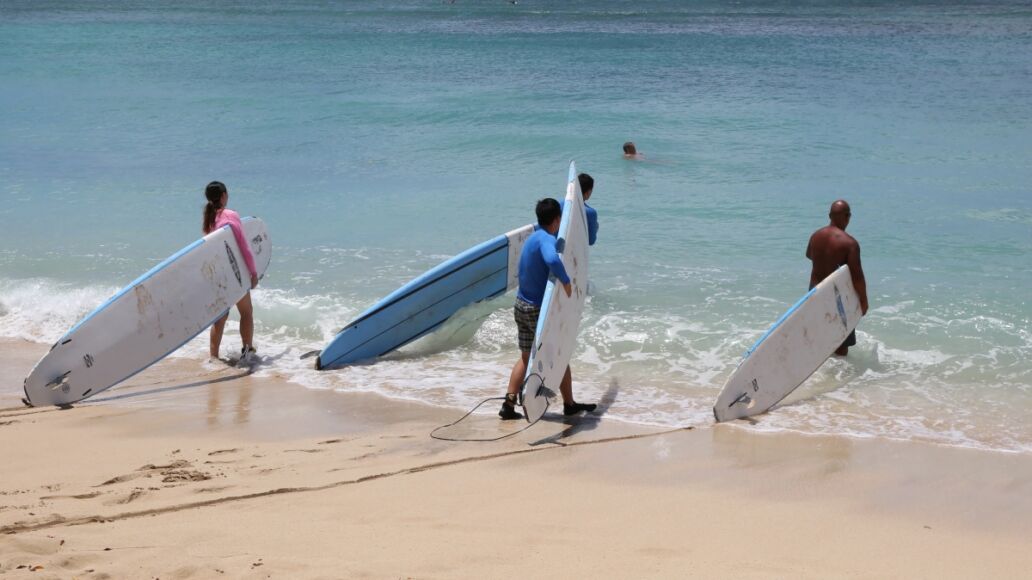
217, 215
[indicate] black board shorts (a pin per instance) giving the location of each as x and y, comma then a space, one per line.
526, 316
850, 340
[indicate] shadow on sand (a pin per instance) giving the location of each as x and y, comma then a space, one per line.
172, 388
243, 372
582, 423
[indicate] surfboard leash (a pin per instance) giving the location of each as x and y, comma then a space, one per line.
519, 395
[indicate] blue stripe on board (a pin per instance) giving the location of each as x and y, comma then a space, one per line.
161, 266
371, 347
144, 278
433, 275
784, 317
438, 275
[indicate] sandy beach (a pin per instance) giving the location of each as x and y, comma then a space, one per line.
393, 151
184, 472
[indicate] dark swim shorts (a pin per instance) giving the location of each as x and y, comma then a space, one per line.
526, 316
850, 340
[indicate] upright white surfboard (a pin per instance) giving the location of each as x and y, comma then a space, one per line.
151, 317
556, 334
792, 349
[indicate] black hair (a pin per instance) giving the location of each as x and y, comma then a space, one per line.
213, 192
629, 148
547, 210
587, 183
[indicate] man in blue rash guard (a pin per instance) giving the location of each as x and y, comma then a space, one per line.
537, 260
587, 184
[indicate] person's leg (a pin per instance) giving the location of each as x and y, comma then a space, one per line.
525, 316
571, 407
215, 339
843, 349
519, 370
566, 388
246, 321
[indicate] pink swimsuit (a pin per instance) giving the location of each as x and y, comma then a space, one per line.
228, 216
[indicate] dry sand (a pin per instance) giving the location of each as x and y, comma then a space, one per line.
186, 472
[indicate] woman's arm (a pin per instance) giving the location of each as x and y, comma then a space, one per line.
233, 219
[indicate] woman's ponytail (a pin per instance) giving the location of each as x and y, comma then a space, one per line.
213, 192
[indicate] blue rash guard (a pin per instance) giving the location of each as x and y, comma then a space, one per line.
592, 222
537, 260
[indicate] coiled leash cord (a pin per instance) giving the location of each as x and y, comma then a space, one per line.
519, 398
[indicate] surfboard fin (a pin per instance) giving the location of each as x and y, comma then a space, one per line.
60, 381
744, 398
310, 354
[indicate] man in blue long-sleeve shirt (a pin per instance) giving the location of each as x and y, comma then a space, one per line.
538, 259
587, 185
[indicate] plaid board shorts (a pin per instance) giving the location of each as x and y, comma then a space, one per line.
526, 316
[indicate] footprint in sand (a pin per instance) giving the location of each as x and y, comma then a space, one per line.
175, 472
178, 464
213, 489
90, 495
131, 497
221, 451
183, 475
121, 479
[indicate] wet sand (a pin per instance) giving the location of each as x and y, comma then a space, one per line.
187, 471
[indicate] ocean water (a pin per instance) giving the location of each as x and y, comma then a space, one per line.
379, 138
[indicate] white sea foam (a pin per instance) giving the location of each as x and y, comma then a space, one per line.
42, 310
650, 367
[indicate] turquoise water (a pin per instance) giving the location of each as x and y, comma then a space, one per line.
379, 138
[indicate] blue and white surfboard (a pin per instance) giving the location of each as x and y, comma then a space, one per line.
150, 318
795, 346
419, 307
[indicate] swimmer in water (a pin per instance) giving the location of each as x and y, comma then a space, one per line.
631, 152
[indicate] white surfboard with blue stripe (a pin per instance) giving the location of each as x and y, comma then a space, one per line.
150, 318
556, 334
421, 306
792, 349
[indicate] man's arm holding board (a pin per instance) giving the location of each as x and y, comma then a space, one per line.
856, 271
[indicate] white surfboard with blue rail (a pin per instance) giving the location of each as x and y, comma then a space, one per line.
792, 349
150, 318
556, 334
421, 306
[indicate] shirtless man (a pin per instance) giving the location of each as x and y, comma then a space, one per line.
831, 247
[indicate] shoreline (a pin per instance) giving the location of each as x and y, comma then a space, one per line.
21, 354
256, 477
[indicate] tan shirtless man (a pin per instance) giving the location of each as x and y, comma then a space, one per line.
831, 247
